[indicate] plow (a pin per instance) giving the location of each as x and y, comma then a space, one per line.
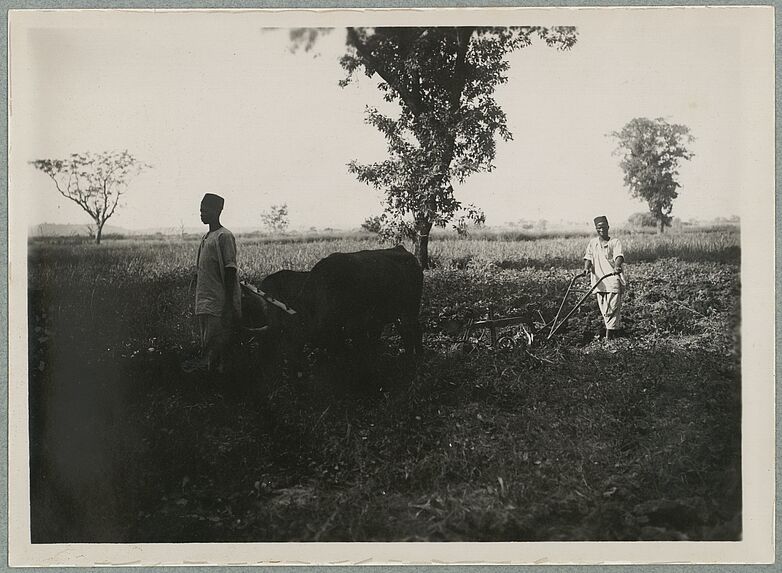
507, 333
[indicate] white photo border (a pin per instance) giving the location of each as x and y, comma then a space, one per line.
758, 292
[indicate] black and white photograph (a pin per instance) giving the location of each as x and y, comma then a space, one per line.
391, 286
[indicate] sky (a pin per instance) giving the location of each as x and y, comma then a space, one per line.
218, 103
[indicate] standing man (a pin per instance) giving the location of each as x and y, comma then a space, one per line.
604, 256
218, 296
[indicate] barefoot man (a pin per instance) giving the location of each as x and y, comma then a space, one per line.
604, 255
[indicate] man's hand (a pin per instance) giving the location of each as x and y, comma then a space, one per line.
587, 268
618, 263
230, 312
231, 319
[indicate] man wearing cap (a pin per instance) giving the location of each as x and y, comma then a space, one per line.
218, 296
604, 256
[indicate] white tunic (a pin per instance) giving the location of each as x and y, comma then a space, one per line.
603, 254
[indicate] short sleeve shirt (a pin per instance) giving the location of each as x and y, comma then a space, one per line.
216, 252
603, 254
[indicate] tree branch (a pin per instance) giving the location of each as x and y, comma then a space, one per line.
463, 36
114, 206
390, 78
79, 199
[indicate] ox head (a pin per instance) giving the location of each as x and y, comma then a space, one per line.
255, 312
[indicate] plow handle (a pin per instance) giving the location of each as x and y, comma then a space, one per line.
579, 303
561, 306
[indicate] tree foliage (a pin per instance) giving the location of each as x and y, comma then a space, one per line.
373, 224
472, 214
276, 218
651, 151
443, 80
95, 182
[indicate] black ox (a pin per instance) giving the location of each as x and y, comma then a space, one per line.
346, 298
352, 296
270, 320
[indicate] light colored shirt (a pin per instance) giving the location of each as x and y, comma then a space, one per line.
216, 253
603, 254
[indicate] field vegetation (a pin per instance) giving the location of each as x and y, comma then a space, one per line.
567, 439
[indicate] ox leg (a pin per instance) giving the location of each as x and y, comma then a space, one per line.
334, 343
294, 355
410, 331
368, 348
373, 335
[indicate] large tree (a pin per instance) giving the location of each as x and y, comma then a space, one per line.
651, 151
443, 80
95, 182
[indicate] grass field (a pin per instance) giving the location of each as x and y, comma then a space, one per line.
569, 439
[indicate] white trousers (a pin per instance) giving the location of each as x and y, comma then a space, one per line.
610, 304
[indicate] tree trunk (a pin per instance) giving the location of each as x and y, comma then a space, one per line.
422, 244
662, 226
98, 233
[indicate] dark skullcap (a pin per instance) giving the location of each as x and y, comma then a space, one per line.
601, 219
213, 200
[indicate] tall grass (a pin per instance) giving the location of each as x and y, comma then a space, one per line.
723, 247
118, 261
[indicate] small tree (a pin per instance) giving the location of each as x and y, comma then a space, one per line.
651, 151
276, 218
95, 182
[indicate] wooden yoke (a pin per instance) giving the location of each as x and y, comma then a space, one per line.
268, 298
